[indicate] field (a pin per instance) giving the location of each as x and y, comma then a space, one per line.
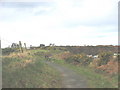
30, 70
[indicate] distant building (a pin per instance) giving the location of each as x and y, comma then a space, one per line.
42, 45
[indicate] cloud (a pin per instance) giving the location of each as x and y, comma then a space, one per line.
90, 13
63, 22
12, 11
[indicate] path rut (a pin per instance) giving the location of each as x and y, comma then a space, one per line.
70, 79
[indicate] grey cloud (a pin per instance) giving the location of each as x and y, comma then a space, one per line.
23, 4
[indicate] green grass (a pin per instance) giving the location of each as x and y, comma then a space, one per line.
34, 75
38, 50
94, 79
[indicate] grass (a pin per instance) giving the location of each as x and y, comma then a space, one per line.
17, 73
94, 79
38, 50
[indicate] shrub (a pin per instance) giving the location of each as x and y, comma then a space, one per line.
7, 51
95, 63
79, 59
111, 67
105, 57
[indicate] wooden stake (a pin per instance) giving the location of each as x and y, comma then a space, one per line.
20, 44
25, 46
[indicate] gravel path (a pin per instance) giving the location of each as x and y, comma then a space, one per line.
70, 79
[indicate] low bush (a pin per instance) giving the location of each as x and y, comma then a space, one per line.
81, 59
105, 57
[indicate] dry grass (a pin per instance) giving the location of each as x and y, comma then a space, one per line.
22, 70
24, 59
20, 55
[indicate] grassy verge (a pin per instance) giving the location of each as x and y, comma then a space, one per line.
94, 79
22, 73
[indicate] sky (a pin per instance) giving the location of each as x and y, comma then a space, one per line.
62, 22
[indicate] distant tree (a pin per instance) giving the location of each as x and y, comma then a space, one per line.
51, 44
14, 45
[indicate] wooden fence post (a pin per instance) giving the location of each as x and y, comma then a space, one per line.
25, 46
20, 45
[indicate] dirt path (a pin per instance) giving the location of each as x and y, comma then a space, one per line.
70, 78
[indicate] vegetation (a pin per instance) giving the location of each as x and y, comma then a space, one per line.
105, 57
21, 70
81, 59
101, 72
7, 51
95, 80
91, 50
28, 69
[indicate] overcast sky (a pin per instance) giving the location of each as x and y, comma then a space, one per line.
63, 22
